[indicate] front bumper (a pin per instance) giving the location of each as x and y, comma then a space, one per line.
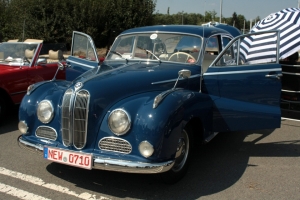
110, 164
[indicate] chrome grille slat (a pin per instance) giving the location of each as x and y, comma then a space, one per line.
115, 144
66, 118
80, 116
46, 132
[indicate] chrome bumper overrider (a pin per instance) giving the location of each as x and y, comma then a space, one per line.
111, 164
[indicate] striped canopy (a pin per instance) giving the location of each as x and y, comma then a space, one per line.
288, 22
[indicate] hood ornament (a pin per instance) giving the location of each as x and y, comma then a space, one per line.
78, 85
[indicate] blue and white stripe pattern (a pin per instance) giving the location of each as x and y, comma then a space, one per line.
260, 48
288, 22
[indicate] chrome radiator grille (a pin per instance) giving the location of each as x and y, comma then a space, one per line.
46, 132
115, 145
80, 118
66, 118
74, 118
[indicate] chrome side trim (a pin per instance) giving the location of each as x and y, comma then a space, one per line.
78, 63
18, 93
241, 71
289, 73
173, 80
291, 91
110, 164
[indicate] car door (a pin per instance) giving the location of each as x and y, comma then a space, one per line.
83, 56
244, 87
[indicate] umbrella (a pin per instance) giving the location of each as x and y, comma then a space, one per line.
288, 22
260, 47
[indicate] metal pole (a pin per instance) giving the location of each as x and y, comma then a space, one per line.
23, 37
220, 11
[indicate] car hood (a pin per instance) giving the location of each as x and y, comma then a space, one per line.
109, 87
130, 79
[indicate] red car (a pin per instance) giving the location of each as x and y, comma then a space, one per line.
25, 63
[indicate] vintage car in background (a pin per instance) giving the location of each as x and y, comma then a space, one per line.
290, 93
23, 64
160, 91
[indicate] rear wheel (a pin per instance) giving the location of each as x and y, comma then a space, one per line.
182, 158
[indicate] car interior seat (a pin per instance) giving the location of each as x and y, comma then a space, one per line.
55, 56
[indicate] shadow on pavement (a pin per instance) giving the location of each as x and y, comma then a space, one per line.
10, 123
217, 166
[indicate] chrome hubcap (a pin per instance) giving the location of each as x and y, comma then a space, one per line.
182, 151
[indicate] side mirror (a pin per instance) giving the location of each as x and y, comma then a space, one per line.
42, 61
60, 66
184, 73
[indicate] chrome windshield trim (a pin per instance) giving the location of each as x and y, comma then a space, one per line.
111, 164
242, 71
173, 80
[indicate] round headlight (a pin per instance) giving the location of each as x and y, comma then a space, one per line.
119, 121
45, 111
146, 149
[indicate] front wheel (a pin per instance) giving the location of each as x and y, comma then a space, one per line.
182, 158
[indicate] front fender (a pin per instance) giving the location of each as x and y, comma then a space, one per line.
160, 126
53, 91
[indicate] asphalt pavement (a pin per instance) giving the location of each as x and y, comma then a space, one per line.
262, 164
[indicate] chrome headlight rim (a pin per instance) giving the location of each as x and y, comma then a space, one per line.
120, 133
51, 115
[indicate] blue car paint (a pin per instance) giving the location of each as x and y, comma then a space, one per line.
236, 88
133, 85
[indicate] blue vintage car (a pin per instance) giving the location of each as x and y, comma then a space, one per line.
160, 91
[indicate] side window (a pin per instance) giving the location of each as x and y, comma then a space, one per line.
225, 41
212, 46
211, 52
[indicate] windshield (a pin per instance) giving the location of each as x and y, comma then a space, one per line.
157, 46
16, 52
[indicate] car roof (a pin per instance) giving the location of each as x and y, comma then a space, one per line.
189, 29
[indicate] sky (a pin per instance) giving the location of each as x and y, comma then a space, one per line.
249, 8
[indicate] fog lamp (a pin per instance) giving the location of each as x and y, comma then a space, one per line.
146, 149
22, 127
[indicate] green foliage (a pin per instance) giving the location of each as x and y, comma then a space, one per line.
54, 21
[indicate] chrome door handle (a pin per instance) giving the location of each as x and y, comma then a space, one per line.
277, 76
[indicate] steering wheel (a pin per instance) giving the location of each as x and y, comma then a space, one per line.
183, 53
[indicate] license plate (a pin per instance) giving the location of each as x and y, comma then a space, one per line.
72, 158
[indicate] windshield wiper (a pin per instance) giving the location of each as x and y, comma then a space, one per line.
148, 51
